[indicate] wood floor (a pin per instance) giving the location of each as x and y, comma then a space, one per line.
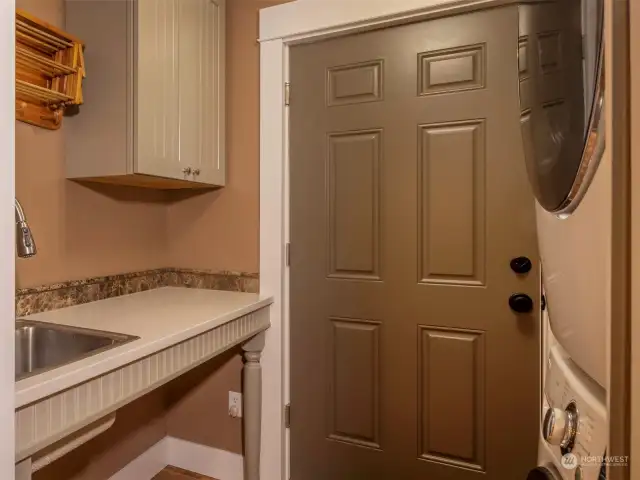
175, 473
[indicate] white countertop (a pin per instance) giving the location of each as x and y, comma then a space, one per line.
160, 317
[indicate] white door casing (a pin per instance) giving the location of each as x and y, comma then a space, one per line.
280, 27
7, 237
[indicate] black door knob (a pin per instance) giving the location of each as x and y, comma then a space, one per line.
521, 265
521, 303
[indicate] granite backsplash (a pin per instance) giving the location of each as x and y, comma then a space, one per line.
75, 292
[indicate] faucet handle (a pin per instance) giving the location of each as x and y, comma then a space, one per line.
25, 244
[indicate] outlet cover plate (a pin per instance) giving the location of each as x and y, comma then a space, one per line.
235, 404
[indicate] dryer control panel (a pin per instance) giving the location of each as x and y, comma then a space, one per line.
575, 423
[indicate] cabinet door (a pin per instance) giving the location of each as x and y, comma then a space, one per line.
157, 102
201, 86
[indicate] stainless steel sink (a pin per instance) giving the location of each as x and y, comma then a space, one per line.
42, 346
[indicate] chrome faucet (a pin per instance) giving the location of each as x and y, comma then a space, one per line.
25, 244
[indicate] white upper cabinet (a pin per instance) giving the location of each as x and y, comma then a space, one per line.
154, 96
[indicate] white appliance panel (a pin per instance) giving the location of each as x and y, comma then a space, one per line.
576, 259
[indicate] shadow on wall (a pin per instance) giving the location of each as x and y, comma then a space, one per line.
192, 397
122, 193
138, 427
131, 194
175, 410
81, 232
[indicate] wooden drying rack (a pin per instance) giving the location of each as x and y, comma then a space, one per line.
49, 71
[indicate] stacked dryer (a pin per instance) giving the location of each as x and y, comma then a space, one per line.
561, 99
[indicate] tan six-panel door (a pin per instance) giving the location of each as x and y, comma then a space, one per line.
408, 200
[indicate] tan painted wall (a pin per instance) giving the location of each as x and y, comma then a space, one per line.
192, 407
197, 404
80, 231
84, 230
226, 222
138, 426
89, 231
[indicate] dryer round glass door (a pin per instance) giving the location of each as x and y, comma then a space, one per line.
560, 62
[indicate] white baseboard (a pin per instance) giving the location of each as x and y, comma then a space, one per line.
204, 460
147, 465
200, 459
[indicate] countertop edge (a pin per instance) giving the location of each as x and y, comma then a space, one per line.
61, 415
66, 377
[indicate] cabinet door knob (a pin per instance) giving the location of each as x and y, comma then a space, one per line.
196, 171
186, 170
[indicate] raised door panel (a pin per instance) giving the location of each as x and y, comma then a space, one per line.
353, 199
451, 405
157, 89
202, 114
452, 203
353, 382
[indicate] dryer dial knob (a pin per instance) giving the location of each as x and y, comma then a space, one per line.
559, 427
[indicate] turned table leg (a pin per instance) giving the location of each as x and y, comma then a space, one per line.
252, 405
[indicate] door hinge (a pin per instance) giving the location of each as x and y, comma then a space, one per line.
287, 415
287, 94
287, 254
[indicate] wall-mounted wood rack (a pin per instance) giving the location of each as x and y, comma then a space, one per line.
49, 71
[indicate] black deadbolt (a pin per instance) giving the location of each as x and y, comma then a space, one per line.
521, 303
521, 265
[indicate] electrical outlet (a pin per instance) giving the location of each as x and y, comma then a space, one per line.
235, 405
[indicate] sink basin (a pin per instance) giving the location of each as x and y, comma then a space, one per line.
42, 346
